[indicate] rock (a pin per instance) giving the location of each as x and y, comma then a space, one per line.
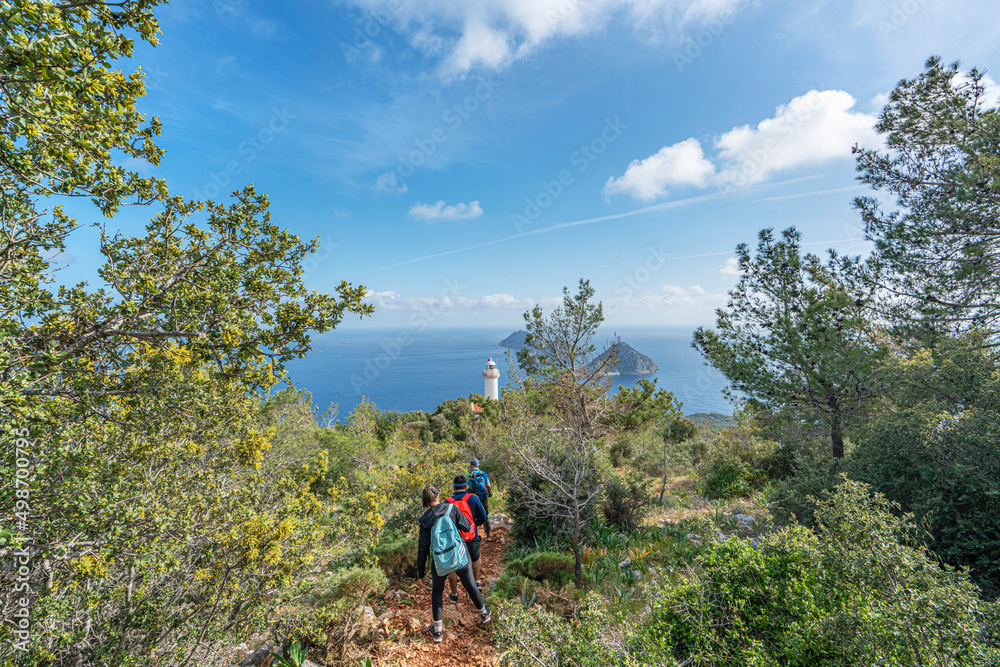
745, 520
629, 362
259, 656
721, 537
309, 663
412, 625
454, 617
637, 574
450, 636
625, 563
516, 340
692, 537
386, 615
755, 543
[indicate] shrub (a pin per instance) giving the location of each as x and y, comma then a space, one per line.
549, 566
626, 500
935, 453
852, 592
397, 555
738, 464
813, 471
534, 636
544, 566
316, 610
726, 478
620, 452
352, 586
530, 525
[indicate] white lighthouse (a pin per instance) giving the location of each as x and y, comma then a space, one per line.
492, 377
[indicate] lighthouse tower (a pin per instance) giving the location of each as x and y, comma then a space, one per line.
492, 376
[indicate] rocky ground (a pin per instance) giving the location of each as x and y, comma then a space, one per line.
405, 614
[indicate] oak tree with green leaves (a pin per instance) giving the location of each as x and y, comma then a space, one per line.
796, 334
156, 523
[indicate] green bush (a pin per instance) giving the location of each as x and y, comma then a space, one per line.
530, 526
813, 471
397, 554
550, 566
620, 452
644, 451
738, 463
726, 478
529, 637
352, 585
935, 453
853, 592
544, 566
626, 500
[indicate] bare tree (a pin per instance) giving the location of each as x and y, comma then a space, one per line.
552, 469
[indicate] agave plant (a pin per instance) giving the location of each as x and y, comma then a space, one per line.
296, 656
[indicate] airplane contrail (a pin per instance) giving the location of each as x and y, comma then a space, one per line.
678, 203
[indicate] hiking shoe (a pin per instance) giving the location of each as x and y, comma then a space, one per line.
453, 597
436, 636
485, 615
479, 585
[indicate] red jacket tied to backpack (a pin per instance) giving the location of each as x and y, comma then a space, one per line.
464, 508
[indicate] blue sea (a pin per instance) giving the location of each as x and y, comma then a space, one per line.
405, 370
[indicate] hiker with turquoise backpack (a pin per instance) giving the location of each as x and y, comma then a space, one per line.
440, 538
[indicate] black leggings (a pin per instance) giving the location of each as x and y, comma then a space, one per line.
437, 590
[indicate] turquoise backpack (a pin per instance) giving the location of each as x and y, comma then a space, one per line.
447, 545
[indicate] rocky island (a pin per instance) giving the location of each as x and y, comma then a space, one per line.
630, 361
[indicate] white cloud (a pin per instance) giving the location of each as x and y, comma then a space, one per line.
811, 129
731, 268
387, 300
388, 184
470, 35
480, 46
441, 211
670, 296
682, 164
879, 101
694, 295
992, 96
503, 300
392, 300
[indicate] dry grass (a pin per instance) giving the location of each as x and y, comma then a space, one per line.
682, 502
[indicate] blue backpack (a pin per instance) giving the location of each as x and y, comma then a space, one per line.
447, 545
477, 484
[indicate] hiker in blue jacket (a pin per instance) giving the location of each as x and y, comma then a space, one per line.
472, 540
479, 484
445, 512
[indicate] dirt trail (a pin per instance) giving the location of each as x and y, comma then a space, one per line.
405, 614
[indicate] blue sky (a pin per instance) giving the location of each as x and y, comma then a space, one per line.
465, 160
